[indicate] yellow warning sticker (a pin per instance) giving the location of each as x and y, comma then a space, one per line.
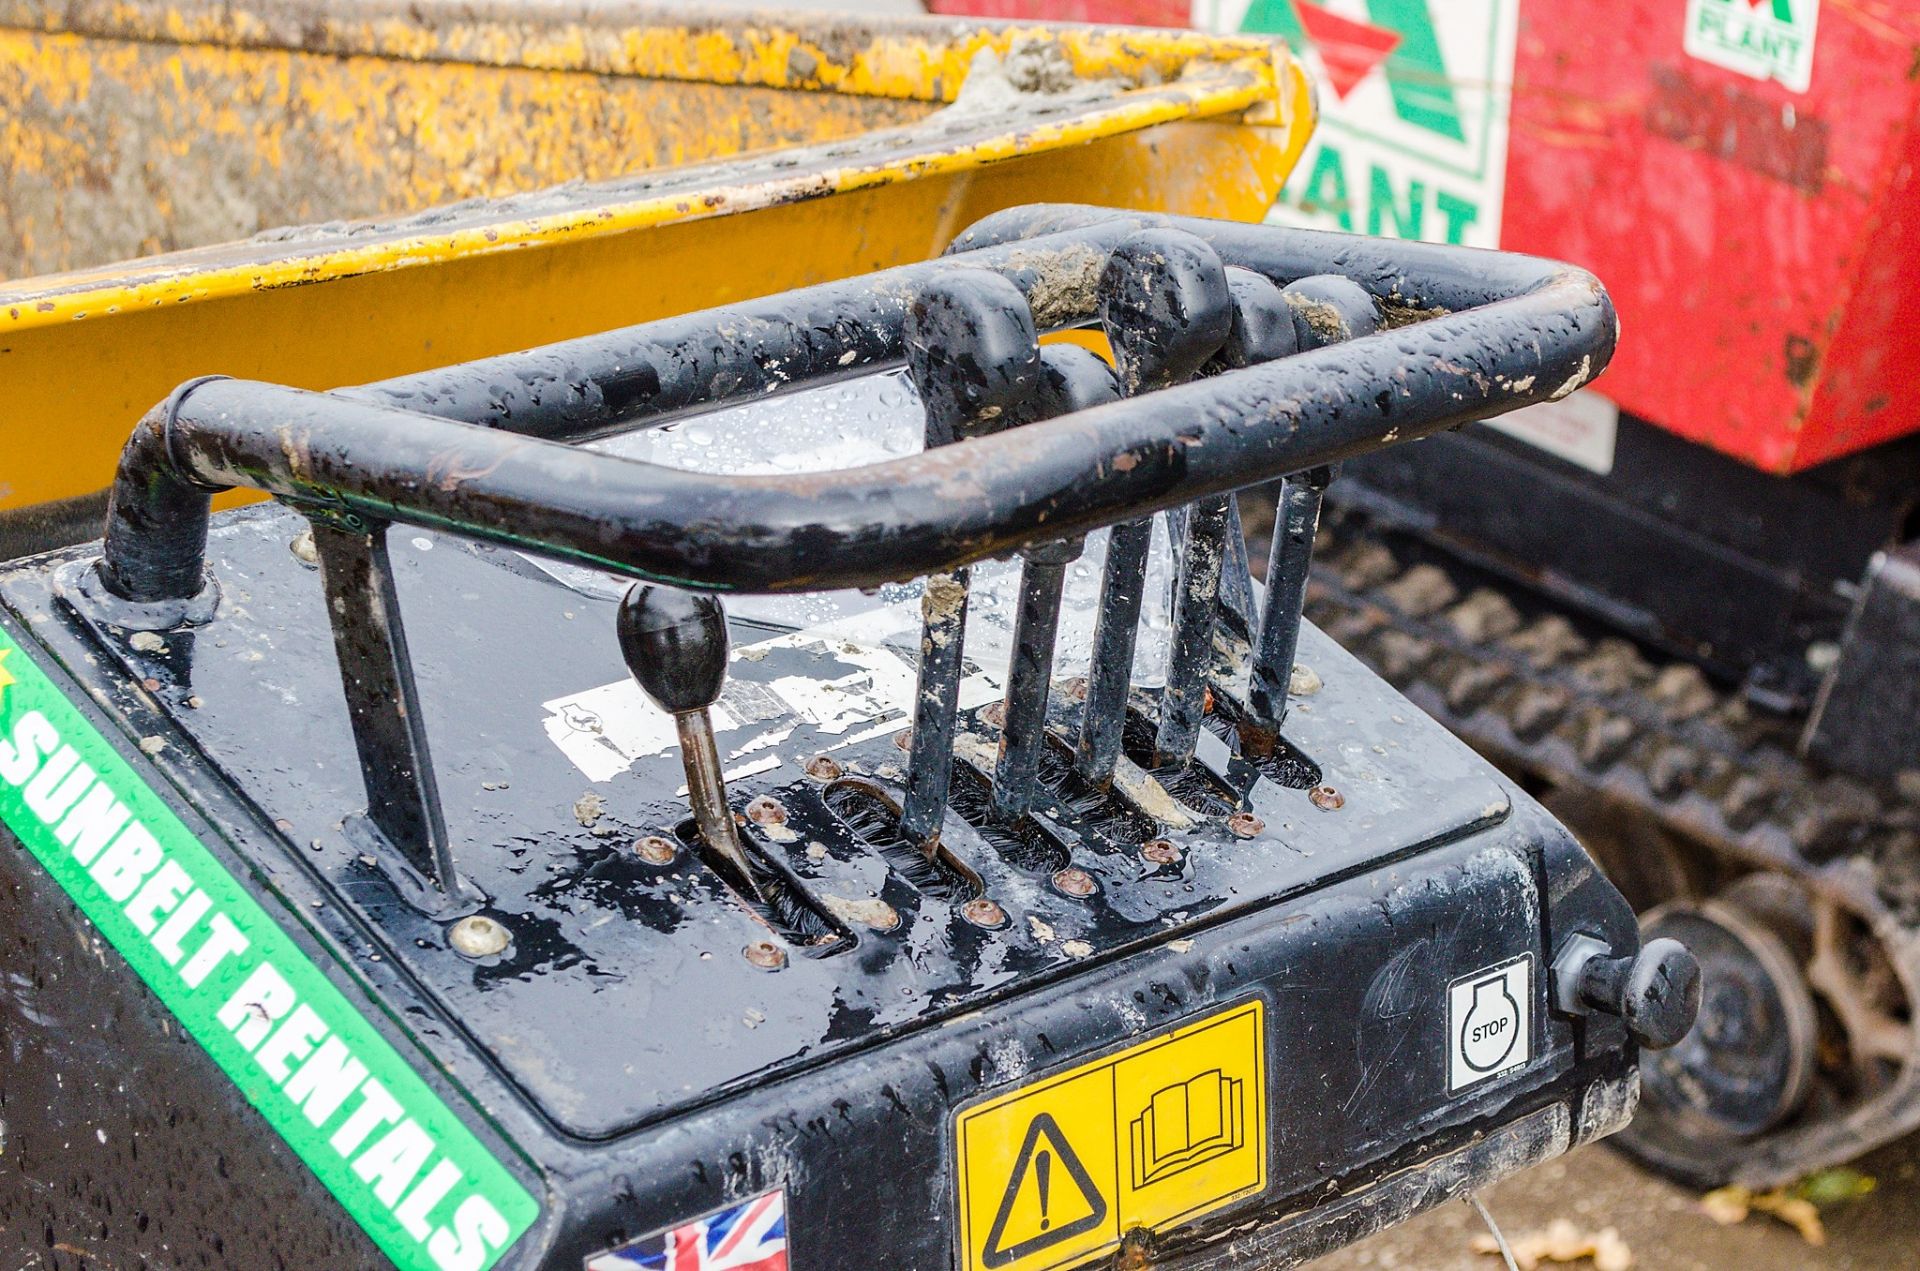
1175, 1126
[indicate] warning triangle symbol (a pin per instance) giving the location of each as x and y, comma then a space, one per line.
1049, 1198
1349, 49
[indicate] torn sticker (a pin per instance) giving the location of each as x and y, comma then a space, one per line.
851, 691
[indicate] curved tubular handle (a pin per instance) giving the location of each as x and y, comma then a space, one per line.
1499, 332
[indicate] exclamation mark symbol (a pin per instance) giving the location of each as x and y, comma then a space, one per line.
1042, 1167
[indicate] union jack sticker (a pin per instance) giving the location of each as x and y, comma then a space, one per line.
750, 1236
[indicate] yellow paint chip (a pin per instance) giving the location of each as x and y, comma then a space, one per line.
1056, 1172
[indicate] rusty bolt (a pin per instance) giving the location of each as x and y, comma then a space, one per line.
994, 713
1074, 881
767, 810
984, 912
477, 936
765, 954
1160, 851
1074, 688
823, 768
656, 850
1327, 799
1245, 824
904, 739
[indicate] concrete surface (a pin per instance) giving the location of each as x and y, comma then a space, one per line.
1596, 1187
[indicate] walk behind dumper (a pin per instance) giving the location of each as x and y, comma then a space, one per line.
893, 834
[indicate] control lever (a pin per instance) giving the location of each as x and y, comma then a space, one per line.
675, 645
1071, 379
975, 358
1325, 309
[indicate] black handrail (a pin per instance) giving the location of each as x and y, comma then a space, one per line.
1479, 334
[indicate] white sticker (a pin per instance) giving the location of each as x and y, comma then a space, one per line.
1414, 100
1764, 39
604, 730
1489, 1022
1581, 428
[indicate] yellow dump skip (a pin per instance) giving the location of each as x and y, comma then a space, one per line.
622, 163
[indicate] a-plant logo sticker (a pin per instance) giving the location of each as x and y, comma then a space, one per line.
1414, 99
1767, 39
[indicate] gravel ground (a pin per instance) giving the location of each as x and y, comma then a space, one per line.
1662, 1224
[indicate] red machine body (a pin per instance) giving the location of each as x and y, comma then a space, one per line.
1760, 235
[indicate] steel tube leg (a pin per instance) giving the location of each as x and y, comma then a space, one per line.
974, 357
1287, 570
1166, 307
1123, 583
1043, 579
936, 706
1195, 608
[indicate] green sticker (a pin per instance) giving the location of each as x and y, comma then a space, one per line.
390, 1150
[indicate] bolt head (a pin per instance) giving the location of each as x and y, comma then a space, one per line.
767, 810
1074, 881
823, 768
994, 713
903, 739
1245, 825
982, 911
1074, 688
1160, 851
478, 936
765, 954
656, 849
1326, 798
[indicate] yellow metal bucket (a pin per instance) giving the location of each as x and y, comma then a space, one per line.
471, 179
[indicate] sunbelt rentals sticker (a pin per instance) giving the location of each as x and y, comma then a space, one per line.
1766, 39
1414, 97
399, 1160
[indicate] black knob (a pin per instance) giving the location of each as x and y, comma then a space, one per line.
675, 643
1328, 309
1071, 378
1657, 991
1262, 323
1165, 306
972, 352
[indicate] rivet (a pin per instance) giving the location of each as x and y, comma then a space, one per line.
1160, 851
823, 768
1327, 799
994, 713
1074, 881
767, 810
1304, 681
985, 912
656, 850
765, 954
477, 936
1245, 824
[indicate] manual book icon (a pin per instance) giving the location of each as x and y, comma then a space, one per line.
1187, 1124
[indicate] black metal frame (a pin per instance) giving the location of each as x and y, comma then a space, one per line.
480, 449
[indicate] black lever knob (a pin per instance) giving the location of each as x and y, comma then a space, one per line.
1329, 309
972, 352
675, 643
1656, 991
1165, 306
1263, 327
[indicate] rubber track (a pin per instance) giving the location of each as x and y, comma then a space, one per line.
1578, 709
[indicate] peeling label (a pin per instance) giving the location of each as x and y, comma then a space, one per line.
604, 730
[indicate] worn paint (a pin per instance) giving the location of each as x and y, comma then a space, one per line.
131, 128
